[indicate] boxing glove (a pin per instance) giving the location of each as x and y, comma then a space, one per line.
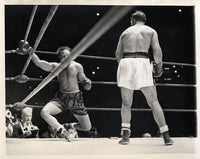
86, 84
157, 70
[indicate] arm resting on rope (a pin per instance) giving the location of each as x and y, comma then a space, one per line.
44, 65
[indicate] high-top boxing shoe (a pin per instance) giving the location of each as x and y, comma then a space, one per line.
125, 137
167, 140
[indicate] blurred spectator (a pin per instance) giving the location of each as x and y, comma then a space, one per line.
147, 135
9, 123
23, 128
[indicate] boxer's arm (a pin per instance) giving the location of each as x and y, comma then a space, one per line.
44, 65
119, 50
85, 82
157, 52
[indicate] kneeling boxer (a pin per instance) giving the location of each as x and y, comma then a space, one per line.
68, 97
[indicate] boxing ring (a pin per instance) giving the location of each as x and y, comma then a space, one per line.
98, 146
92, 146
101, 145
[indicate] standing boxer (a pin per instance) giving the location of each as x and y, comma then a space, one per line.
68, 97
135, 72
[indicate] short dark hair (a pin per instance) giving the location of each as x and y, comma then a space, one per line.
138, 16
59, 49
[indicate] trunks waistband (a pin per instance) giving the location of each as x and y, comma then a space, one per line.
67, 94
135, 55
71, 92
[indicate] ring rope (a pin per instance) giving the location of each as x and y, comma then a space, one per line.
40, 35
30, 22
105, 23
29, 79
116, 109
102, 58
82, 56
111, 83
157, 84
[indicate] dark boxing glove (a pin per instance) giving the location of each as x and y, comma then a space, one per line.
86, 84
157, 70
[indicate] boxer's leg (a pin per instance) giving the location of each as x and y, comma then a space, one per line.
150, 94
83, 124
78, 110
127, 97
152, 100
47, 113
50, 109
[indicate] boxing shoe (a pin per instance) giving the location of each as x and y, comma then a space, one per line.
71, 129
93, 133
167, 140
125, 137
63, 133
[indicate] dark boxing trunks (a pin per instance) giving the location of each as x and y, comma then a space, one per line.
71, 101
135, 55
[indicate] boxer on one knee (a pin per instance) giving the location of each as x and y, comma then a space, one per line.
135, 72
68, 97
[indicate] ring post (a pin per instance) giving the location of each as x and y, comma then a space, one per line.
40, 35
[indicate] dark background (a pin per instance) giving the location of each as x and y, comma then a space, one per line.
175, 26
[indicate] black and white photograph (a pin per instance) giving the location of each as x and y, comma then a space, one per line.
89, 79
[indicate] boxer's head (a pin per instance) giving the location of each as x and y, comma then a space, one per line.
63, 52
138, 16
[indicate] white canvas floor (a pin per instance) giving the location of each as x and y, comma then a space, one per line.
98, 146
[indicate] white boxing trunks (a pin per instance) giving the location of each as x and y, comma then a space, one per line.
135, 73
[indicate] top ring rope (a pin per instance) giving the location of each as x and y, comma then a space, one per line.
105, 23
101, 58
